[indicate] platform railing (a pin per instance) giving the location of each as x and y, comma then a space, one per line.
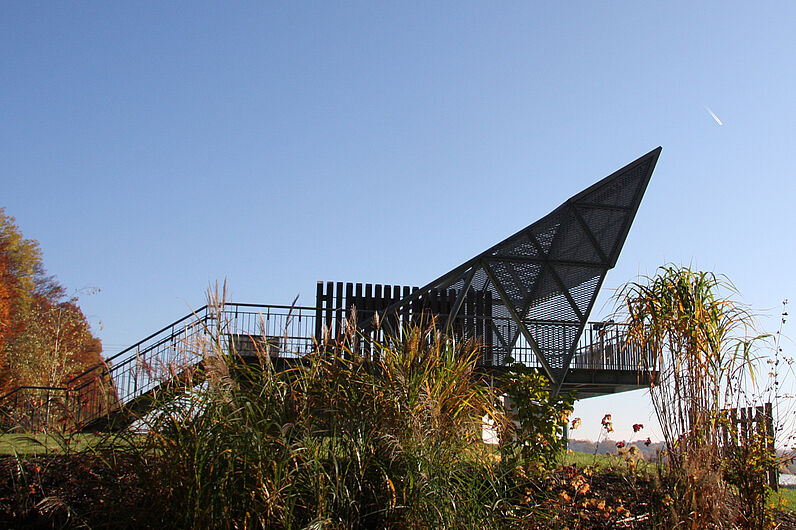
178, 349
604, 346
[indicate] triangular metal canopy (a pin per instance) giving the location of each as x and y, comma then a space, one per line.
545, 279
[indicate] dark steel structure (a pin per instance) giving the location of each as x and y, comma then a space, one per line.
525, 300
544, 279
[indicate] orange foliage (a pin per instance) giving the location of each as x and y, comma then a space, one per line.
6, 309
6, 294
44, 336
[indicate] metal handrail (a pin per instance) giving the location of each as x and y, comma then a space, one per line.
172, 325
31, 387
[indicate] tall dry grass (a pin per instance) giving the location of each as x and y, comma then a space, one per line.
335, 441
702, 340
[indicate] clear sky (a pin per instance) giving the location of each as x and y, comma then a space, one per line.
152, 149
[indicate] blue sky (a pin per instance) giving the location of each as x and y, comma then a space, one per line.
152, 149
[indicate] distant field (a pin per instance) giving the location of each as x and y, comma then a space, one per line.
785, 496
601, 461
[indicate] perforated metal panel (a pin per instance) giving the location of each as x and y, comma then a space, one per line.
544, 279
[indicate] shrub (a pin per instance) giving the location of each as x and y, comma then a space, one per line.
537, 433
748, 460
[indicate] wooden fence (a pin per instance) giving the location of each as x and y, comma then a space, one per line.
753, 424
336, 303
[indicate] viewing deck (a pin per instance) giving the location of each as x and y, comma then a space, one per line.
114, 394
525, 301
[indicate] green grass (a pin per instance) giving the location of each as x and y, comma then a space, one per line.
602, 461
785, 497
35, 444
589, 459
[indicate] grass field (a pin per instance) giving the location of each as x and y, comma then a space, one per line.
786, 497
34, 444
603, 461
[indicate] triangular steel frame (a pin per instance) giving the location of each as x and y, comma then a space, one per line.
546, 277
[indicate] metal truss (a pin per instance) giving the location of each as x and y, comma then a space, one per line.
544, 279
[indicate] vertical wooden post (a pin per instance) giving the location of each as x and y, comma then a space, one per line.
339, 312
385, 302
773, 476
319, 312
367, 313
744, 425
416, 310
734, 426
329, 301
405, 311
378, 301
367, 302
349, 299
357, 304
431, 307
358, 301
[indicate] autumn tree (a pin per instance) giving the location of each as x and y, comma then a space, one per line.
8, 287
44, 336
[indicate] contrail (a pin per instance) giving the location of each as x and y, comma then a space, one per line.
713, 114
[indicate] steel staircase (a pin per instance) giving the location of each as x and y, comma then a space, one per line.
126, 386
